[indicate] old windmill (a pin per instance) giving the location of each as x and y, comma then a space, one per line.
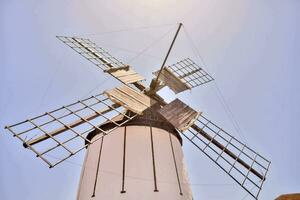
133, 137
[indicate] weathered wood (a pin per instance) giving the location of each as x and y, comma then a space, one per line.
131, 99
153, 90
126, 67
127, 75
172, 81
190, 73
180, 115
158, 86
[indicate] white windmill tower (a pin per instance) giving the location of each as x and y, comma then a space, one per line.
134, 136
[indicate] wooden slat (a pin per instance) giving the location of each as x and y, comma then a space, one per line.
110, 70
133, 100
172, 81
126, 75
180, 115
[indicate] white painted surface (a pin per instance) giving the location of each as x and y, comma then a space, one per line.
139, 176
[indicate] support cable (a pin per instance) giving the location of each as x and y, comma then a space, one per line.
218, 93
125, 30
151, 45
155, 83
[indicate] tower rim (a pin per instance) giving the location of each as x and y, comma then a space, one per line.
149, 118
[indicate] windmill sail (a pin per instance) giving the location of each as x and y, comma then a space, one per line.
244, 165
183, 75
102, 59
61, 133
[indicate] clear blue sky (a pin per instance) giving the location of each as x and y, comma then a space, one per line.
251, 47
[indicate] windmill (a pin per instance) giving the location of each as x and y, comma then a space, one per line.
133, 138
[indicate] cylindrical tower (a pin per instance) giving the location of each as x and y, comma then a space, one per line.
142, 160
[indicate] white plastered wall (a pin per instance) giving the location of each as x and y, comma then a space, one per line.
139, 176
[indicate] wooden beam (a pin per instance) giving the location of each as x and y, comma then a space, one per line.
153, 90
168, 78
72, 125
93, 53
227, 151
190, 73
117, 73
126, 67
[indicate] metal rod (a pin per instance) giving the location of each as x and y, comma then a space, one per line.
124, 162
175, 164
165, 60
97, 171
153, 160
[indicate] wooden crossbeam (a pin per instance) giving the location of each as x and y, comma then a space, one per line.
131, 99
227, 151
